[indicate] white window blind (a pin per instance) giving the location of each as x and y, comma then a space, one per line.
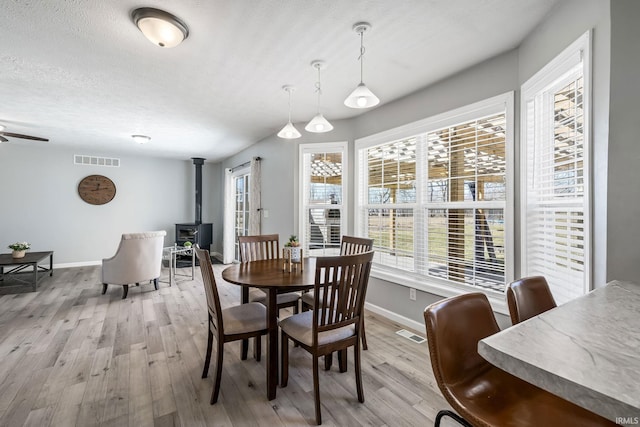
323, 217
435, 201
555, 174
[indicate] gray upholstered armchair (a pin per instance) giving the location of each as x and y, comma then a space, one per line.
138, 259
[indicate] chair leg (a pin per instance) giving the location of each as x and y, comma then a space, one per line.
363, 336
357, 368
328, 361
257, 351
316, 390
245, 349
342, 360
216, 385
125, 291
284, 360
207, 358
155, 283
104, 288
451, 415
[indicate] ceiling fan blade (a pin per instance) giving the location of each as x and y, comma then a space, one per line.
3, 139
18, 135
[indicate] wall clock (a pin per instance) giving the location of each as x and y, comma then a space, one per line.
96, 189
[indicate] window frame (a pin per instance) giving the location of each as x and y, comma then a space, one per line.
576, 56
499, 103
318, 148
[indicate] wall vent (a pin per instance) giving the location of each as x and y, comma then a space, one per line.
411, 336
80, 159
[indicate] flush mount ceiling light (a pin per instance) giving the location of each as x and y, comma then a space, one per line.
141, 139
318, 124
161, 28
289, 131
361, 97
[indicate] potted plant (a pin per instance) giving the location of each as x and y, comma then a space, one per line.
19, 249
293, 246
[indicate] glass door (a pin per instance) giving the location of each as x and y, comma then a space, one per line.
241, 221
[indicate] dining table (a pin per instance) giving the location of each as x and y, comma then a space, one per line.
273, 277
586, 351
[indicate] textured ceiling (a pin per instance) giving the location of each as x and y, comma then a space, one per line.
81, 74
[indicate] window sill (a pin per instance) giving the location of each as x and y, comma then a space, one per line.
439, 288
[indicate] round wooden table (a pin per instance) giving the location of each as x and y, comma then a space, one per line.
271, 277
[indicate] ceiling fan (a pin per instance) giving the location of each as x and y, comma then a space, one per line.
17, 135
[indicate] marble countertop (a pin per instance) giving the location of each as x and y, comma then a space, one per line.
586, 351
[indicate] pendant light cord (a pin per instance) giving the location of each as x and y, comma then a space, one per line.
318, 88
361, 57
289, 92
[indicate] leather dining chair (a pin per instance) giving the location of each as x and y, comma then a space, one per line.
230, 324
349, 245
334, 322
529, 297
482, 394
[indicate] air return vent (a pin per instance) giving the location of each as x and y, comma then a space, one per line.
411, 336
80, 159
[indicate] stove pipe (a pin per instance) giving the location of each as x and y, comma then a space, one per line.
198, 162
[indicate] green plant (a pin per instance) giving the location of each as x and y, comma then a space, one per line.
293, 241
188, 244
19, 246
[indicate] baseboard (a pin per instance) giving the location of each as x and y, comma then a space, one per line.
217, 255
396, 318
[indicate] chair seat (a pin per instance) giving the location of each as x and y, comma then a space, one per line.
286, 298
308, 298
299, 327
496, 398
244, 318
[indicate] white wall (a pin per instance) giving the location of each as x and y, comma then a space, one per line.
40, 202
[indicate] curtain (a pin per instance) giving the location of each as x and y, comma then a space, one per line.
255, 184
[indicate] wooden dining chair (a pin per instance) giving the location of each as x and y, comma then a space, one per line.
529, 297
261, 247
480, 393
334, 322
230, 324
348, 246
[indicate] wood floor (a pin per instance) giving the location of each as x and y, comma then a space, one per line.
71, 356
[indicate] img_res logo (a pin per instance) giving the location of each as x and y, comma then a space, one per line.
627, 420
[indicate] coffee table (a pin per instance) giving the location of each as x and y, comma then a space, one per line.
31, 259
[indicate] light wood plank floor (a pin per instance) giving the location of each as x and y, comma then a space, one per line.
71, 356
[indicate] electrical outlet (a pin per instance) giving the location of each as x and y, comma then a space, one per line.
412, 294
266, 213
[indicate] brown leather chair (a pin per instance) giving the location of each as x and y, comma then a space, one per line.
334, 323
230, 324
481, 393
529, 297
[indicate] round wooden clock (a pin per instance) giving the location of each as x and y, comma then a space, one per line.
96, 189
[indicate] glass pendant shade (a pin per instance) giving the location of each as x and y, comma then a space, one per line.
361, 97
160, 27
289, 132
318, 125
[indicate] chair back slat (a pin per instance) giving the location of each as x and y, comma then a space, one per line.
210, 289
343, 281
355, 245
260, 247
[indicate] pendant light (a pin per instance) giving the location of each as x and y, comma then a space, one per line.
361, 97
289, 131
318, 124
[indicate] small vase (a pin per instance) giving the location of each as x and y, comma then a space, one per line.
18, 254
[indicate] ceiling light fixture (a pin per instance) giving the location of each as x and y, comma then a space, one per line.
289, 131
141, 139
361, 97
318, 124
161, 28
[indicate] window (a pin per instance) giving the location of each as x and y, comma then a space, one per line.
241, 212
436, 196
555, 175
323, 218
